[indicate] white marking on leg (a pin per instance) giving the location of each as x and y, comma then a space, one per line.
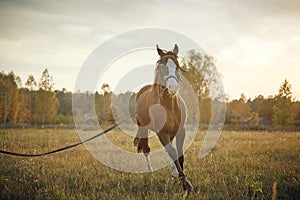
175, 172
148, 162
172, 155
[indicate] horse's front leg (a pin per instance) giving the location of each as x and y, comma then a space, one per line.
141, 140
172, 152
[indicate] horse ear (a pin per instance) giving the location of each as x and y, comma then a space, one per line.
159, 51
175, 50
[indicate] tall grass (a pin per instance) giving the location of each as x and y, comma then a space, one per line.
243, 165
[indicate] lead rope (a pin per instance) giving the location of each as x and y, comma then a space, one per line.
89, 139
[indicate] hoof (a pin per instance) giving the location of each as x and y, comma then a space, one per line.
142, 145
187, 186
175, 173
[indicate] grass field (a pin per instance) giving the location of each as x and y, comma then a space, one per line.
243, 165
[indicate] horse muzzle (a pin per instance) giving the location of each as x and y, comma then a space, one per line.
172, 86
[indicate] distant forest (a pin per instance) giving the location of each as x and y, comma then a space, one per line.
36, 102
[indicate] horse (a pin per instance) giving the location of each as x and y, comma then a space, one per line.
165, 113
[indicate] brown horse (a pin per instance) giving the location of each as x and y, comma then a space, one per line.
165, 113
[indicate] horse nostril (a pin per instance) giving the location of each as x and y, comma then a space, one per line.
172, 89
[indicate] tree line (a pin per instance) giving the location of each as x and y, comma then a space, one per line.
37, 103
277, 110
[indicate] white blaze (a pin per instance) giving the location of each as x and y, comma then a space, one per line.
172, 84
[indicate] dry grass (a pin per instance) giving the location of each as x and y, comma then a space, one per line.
243, 165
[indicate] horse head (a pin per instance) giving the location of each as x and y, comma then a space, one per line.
167, 70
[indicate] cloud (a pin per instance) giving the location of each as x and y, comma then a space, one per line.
61, 34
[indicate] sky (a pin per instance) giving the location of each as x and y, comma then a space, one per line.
256, 44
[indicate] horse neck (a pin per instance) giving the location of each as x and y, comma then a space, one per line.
168, 101
157, 79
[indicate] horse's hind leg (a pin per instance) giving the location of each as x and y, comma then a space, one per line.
175, 171
166, 141
179, 144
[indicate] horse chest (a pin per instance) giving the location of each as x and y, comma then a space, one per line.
161, 116
172, 124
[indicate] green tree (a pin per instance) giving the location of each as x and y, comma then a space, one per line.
64, 112
283, 105
296, 113
265, 108
201, 75
65, 102
103, 105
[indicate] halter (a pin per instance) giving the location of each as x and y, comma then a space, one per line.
174, 58
171, 76
169, 56
177, 79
